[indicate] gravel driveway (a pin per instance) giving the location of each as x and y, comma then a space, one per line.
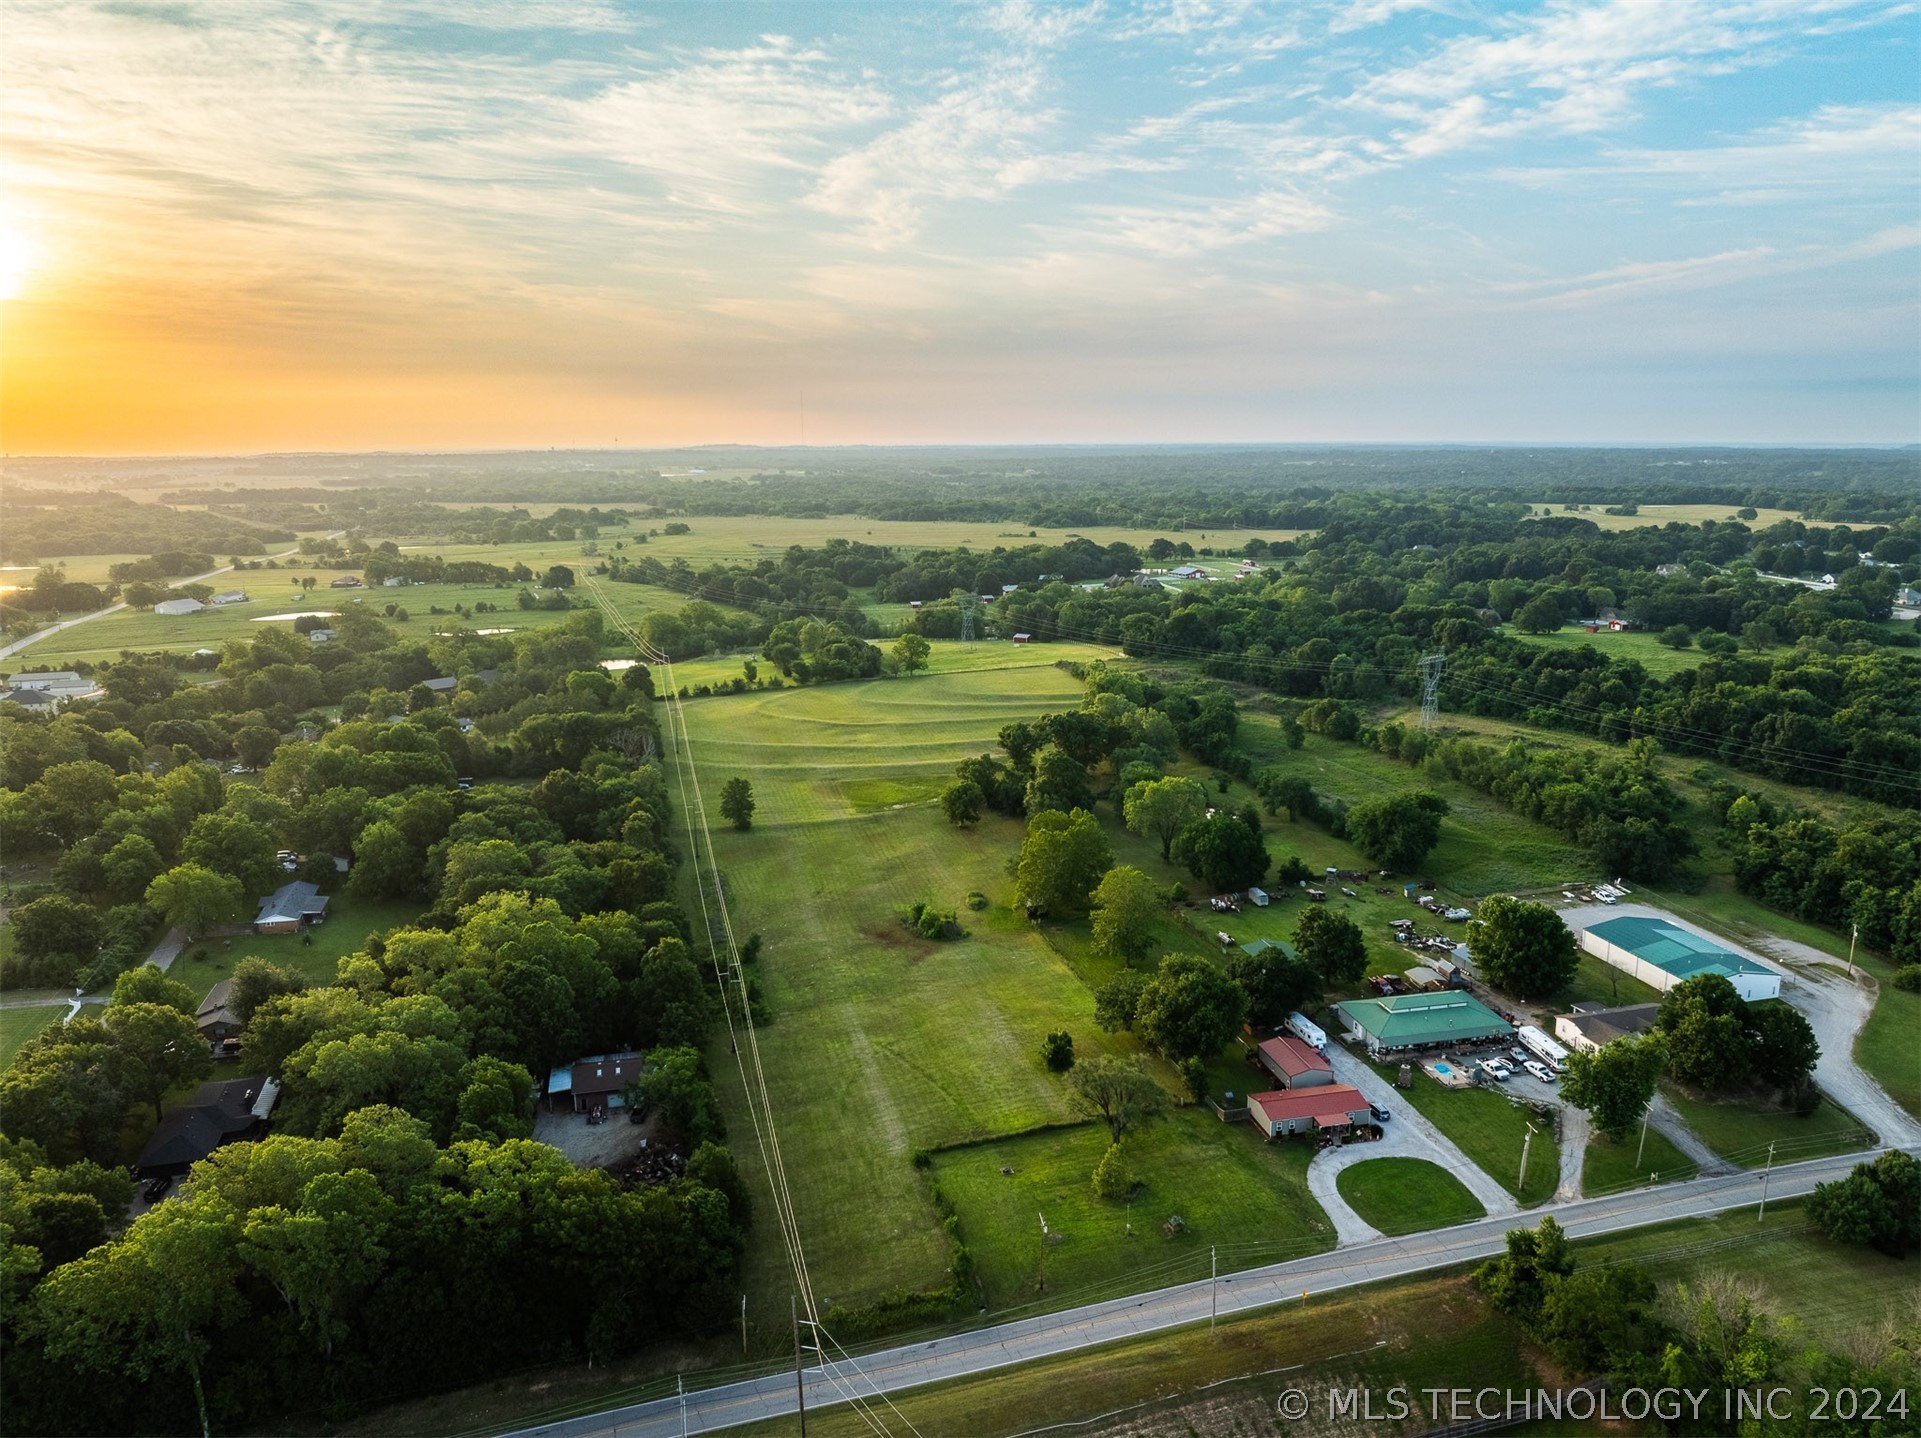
1835, 1005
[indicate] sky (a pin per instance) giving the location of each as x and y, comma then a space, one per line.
243, 225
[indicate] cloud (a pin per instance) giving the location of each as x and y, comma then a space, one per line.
1182, 230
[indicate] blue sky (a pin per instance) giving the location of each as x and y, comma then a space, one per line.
258, 224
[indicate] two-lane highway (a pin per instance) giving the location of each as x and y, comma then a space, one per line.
961, 1354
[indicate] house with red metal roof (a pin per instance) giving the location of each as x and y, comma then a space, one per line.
1294, 1063
1326, 1108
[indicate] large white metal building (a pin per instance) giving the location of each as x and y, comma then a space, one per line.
1661, 955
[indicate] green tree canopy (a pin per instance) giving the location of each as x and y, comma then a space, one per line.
737, 803
1396, 831
1522, 948
1332, 944
1126, 906
1616, 1084
1162, 808
1116, 1091
1061, 860
194, 899
1223, 852
1189, 1009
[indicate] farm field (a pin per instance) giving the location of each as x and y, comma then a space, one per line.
881, 1043
1228, 1188
946, 656
1653, 656
1407, 1195
1490, 1131
1741, 1132
1658, 514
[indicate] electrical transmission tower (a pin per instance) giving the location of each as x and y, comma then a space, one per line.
968, 606
1431, 667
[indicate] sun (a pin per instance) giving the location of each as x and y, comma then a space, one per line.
17, 255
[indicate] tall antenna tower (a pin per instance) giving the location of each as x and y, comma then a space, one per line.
1431, 666
969, 603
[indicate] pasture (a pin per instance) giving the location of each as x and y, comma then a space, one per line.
881, 1043
1658, 514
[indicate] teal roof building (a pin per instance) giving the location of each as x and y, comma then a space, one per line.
1402, 1023
1662, 954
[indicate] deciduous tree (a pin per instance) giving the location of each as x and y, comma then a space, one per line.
1189, 1009
1396, 831
1522, 948
1616, 1084
1116, 1091
194, 899
1126, 906
1162, 808
737, 803
1061, 860
1332, 943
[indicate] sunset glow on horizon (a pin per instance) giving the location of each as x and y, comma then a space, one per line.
287, 226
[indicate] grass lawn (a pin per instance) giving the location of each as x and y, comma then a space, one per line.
1407, 1195
350, 921
1596, 982
19, 1025
1887, 1048
1231, 1190
947, 656
1490, 1131
1741, 1132
1654, 656
1610, 1167
881, 1042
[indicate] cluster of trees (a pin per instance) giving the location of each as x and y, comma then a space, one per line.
347, 1269
1878, 1205
1862, 873
1713, 1333
1717, 1041
1522, 948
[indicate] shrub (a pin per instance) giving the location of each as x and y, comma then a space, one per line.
1908, 978
976, 899
1112, 1177
1057, 1051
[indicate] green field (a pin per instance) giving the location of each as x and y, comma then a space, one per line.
1407, 1195
1741, 1132
1596, 982
881, 1043
19, 1025
1653, 655
1611, 1168
1231, 1191
1490, 1131
1657, 514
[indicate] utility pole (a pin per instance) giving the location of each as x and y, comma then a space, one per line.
1854, 934
1213, 1284
1763, 1213
1043, 1218
743, 1325
800, 1381
680, 1392
1637, 1152
1527, 1142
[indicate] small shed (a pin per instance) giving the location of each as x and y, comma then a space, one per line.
1422, 980
178, 606
1257, 897
1022, 638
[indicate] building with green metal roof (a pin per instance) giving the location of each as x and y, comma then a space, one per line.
1401, 1023
1258, 948
1662, 954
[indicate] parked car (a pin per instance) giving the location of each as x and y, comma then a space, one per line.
1381, 1115
156, 1188
1519, 1054
1497, 1069
1539, 1070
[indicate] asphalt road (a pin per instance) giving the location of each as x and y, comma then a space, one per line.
981, 1350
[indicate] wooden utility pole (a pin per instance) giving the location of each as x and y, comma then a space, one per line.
1763, 1213
800, 1381
1213, 1284
1527, 1142
1637, 1152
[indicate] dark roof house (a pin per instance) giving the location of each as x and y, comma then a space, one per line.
214, 1019
222, 1112
290, 908
599, 1080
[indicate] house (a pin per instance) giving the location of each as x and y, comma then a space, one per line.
291, 908
1326, 1108
214, 1018
1145, 581
1009, 588
36, 699
178, 606
1908, 595
1827, 579
1668, 571
322, 636
231, 596
444, 684
1187, 571
598, 1081
1590, 1028
222, 1112
346, 581
1662, 954
1295, 1063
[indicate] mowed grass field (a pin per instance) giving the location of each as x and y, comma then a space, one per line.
1657, 514
1407, 1195
881, 1043
19, 1025
1654, 656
